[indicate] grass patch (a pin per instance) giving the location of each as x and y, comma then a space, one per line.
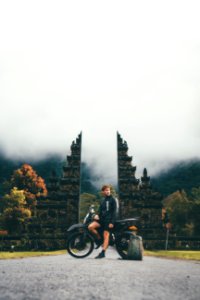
193, 255
8, 255
190, 255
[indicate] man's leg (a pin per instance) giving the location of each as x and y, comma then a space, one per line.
93, 229
106, 235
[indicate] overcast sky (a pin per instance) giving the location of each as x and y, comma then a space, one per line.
98, 67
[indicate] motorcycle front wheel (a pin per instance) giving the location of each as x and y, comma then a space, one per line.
80, 245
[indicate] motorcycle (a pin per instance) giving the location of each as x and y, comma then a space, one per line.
81, 243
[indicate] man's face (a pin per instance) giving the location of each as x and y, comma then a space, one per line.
106, 192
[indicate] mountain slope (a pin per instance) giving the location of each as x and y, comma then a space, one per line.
184, 175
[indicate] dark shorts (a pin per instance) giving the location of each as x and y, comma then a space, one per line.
105, 225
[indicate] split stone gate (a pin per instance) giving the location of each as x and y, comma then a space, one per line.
60, 209
136, 197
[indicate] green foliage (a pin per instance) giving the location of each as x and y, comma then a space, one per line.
16, 205
194, 255
86, 200
178, 208
29, 183
9, 255
15, 217
183, 175
195, 209
195, 194
14, 210
184, 211
16, 198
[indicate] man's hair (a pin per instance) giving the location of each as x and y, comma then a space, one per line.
104, 187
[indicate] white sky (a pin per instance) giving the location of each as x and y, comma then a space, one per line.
99, 67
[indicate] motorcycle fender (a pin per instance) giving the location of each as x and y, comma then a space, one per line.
75, 227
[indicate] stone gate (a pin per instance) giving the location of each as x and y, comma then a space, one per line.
60, 208
138, 199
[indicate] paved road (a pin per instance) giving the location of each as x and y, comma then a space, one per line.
64, 277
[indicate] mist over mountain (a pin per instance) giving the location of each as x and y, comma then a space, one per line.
182, 175
101, 67
45, 167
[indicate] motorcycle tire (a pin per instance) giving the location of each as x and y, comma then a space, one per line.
80, 245
135, 248
129, 246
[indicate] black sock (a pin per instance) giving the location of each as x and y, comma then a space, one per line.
103, 251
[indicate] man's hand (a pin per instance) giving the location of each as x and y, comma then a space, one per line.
110, 225
96, 218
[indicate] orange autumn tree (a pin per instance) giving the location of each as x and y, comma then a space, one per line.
26, 179
16, 206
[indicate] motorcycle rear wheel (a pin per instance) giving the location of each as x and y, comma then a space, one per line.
123, 247
80, 245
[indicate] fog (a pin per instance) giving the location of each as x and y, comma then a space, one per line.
99, 68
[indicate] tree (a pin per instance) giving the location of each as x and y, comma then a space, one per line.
16, 198
184, 211
195, 209
178, 207
26, 187
26, 179
14, 209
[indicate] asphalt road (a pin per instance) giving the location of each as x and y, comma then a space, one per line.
64, 277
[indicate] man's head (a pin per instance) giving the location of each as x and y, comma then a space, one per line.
106, 190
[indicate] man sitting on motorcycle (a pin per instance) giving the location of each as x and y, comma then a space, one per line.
105, 219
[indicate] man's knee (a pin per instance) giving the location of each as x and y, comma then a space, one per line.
91, 227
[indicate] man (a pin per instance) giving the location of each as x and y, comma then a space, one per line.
105, 219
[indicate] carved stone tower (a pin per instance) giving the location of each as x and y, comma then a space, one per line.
137, 198
128, 185
60, 208
70, 182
